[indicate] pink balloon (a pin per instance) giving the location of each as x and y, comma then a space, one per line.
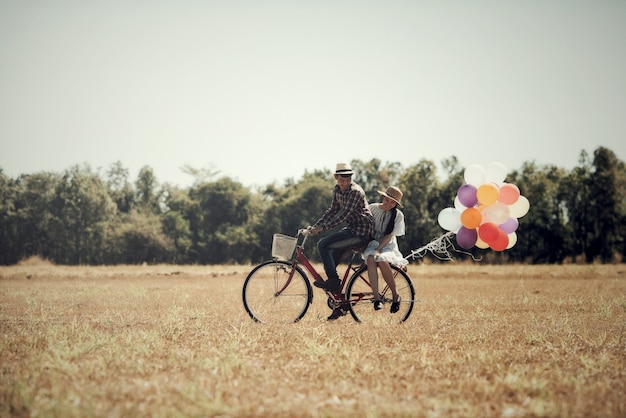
509, 193
467, 195
497, 213
466, 238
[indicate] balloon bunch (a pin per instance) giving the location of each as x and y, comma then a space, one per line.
486, 209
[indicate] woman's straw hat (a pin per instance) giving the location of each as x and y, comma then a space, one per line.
394, 194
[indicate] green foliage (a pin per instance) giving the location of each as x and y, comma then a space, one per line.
139, 238
422, 202
81, 211
82, 217
543, 227
374, 175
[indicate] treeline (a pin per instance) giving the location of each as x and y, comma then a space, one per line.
84, 216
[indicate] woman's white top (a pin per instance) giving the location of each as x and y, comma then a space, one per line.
390, 252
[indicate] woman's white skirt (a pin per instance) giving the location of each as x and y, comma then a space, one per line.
390, 253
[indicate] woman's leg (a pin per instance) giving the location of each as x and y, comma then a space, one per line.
387, 272
372, 274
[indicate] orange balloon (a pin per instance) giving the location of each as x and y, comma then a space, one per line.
471, 218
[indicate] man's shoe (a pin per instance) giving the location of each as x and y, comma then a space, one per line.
395, 306
332, 285
378, 305
337, 313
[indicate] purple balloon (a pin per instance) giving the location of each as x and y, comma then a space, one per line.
466, 238
467, 195
510, 225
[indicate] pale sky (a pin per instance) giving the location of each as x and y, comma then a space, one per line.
263, 90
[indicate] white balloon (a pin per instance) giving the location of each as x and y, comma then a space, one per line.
496, 173
512, 240
519, 208
458, 205
475, 175
449, 219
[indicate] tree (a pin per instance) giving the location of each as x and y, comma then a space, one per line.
120, 189
10, 251
176, 224
606, 200
33, 217
139, 238
148, 199
422, 202
576, 189
82, 211
542, 228
218, 209
373, 176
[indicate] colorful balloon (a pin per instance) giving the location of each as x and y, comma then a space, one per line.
496, 172
471, 218
467, 195
510, 225
500, 242
487, 194
475, 175
509, 193
466, 238
519, 208
481, 244
458, 205
497, 213
449, 219
512, 240
486, 209
488, 232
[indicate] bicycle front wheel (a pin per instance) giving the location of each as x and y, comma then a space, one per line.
276, 292
359, 294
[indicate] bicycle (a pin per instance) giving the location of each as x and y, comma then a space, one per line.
279, 290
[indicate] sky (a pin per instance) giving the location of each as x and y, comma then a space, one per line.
262, 91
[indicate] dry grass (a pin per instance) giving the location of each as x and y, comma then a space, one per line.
502, 341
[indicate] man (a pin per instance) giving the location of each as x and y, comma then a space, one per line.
349, 206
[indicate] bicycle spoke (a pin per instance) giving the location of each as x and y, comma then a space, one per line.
360, 295
272, 294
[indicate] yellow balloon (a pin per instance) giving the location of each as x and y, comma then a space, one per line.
481, 244
487, 194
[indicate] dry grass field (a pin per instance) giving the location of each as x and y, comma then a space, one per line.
175, 341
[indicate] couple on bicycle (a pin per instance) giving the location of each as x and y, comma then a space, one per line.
371, 226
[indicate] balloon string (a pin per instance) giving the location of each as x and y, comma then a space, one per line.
439, 247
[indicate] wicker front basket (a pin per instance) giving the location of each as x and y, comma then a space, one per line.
283, 246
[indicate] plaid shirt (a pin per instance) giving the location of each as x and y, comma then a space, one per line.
350, 207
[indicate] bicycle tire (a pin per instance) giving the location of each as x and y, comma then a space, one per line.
359, 294
261, 297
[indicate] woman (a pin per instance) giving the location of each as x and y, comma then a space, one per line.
383, 250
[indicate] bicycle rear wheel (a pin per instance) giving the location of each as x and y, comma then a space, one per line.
276, 292
359, 294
